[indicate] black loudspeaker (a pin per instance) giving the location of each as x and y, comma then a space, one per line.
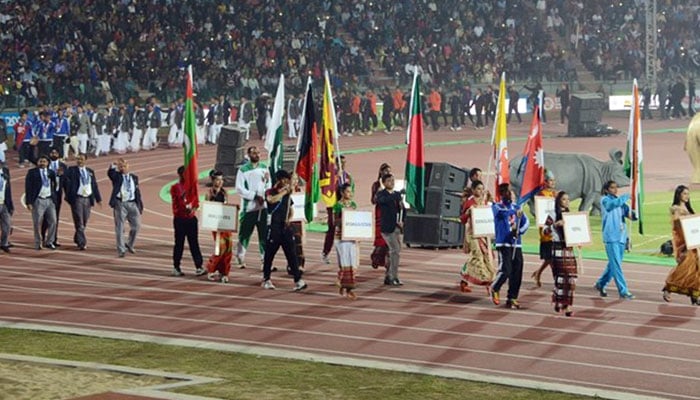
442, 202
585, 114
230, 155
445, 176
426, 230
231, 136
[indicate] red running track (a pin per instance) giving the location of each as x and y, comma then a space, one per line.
642, 347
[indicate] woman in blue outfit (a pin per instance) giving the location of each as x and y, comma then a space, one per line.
615, 210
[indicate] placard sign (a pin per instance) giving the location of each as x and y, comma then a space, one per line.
357, 225
298, 207
483, 222
218, 216
544, 207
691, 231
400, 184
577, 230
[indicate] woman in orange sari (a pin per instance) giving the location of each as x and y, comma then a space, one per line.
478, 270
219, 265
685, 277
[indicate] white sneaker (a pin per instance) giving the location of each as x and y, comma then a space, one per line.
325, 258
200, 271
212, 276
224, 279
300, 285
177, 272
268, 285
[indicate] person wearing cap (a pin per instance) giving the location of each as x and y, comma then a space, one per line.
6, 207
549, 190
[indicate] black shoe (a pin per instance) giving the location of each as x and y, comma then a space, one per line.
601, 290
396, 282
387, 281
130, 249
6, 249
51, 246
56, 244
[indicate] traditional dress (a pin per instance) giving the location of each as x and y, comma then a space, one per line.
478, 270
222, 262
563, 267
346, 249
685, 277
381, 249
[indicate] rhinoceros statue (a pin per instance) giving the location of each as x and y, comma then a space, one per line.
580, 175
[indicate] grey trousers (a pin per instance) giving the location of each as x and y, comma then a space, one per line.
393, 240
44, 209
5, 225
126, 211
80, 210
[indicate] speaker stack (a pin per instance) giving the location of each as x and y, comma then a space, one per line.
230, 152
439, 225
585, 113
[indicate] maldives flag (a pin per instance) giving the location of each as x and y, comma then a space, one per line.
328, 177
190, 147
273, 140
533, 161
307, 149
415, 160
634, 157
499, 139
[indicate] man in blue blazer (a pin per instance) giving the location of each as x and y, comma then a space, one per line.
40, 196
82, 193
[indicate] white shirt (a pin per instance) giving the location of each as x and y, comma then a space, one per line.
45, 184
127, 192
85, 188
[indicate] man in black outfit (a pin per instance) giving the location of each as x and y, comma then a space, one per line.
279, 232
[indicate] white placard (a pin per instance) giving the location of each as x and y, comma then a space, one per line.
691, 231
298, 213
544, 207
357, 225
577, 230
400, 184
218, 216
482, 221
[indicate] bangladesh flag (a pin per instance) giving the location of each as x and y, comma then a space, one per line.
190, 148
415, 160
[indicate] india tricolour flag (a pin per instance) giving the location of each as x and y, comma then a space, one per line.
273, 140
190, 148
634, 157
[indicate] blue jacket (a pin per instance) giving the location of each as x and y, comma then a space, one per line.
615, 210
504, 216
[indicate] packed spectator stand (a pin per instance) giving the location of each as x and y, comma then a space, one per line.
56, 51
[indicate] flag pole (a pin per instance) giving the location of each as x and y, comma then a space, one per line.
334, 119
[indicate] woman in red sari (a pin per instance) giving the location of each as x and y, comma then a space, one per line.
219, 266
381, 249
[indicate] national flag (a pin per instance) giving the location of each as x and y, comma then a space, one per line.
533, 161
190, 147
328, 173
499, 139
307, 149
415, 159
634, 157
273, 140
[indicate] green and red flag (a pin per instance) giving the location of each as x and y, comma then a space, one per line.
328, 166
273, 140
415, 159
307, 150
190, 147
634, 157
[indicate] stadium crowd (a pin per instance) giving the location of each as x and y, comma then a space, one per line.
56, 51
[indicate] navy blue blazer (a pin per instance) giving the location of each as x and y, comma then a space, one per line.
117, 179
32, 185
71, 179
